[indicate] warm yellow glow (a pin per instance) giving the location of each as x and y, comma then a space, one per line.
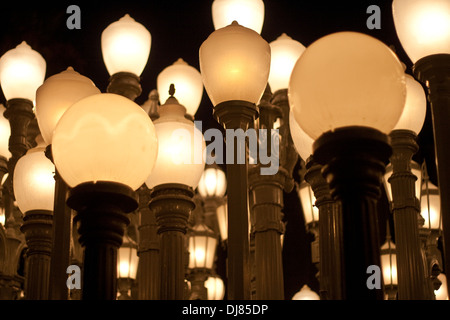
308, 200
389, 263
248, 13
347, 79
302, 142
124, 149
213, 183
442, 292
127, 262
2, 216
431, 206
34, 182
188, 85
126, 46
306, 293
5, 133
202, 247
56, 95
215, 287
284, 54
222, 220
22, 71
234, 63
423, 26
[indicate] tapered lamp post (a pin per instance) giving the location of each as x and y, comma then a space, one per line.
104, 147
423, 28
53, 98
125, 49
234, 63
178, 169
348, 110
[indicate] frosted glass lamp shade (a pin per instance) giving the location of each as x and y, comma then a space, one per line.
306, 293
248, 13
126, 46
413, 116
56, 95
188, 85
423, 26
389, 263
430, 206
222, 220
127, 262
442, 292
234, 63
181, 150
347, 79
5, 133
105, 137
215, 287
302, 142
285, 52
308, 200
202, 247
22, 71
33, 181
213, 183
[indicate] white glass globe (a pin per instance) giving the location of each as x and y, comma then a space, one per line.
248, 13
5, 133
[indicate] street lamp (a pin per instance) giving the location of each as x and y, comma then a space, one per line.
103, 173
248, 13
235, 63
127, 265
34, 187
347, 92
389, 265
125, 49
215, 286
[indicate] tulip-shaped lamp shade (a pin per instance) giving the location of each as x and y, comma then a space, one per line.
216, 288
5, 133
415, 169
285, 52
222, 220
413, 116
105, 137
306, 293
188, 85
430, 206
22, 71
181, 148
202, 247
248, 13
389, 263
56, 95
307, 199
34, 182
422, 26
303, 143
442, 293
213, 183
234, 63
126, 46
347, 79
127, 262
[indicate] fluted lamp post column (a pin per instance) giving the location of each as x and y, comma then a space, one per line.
125, 49
423, 29
34, 188
104, 147
234, 63
53, 98
178, 169
348, 110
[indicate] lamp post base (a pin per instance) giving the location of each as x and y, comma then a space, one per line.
354, 160
101, 219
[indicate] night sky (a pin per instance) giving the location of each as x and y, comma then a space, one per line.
178, 29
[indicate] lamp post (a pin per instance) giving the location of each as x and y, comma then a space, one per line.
350, 127
53, 98
34, 188
423, 29
178, 169
127, 265
103, 174
125, 49
234, 63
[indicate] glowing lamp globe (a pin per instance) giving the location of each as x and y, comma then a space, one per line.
56, 95
33, 180
389, 263
347, 79
306, 293
442, 292
216, 288
188, 85
5, 133
22, 71
308, 201
126, 46
181, 150
105, 137
413, 116
127, 262
202, 247
213, 183
285, 52
430, 206
248, 13
222, 220
303, 143
234, 63
423, 26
